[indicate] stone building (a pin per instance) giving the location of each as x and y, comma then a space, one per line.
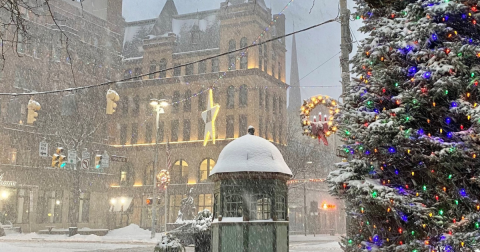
33, 194
249, 87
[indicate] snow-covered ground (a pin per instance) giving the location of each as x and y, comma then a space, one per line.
132, 239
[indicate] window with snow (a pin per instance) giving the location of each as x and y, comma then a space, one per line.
231, 57
243, 54
179, 173
153, 68
186, 130
202, 67
162, 66
215, 65
233, 206
177, 70
231, 97
280, 207
260, 208
189, 69
243, 96
174, 131
187, 103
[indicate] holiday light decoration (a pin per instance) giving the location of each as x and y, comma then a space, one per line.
319, 129
163, 179
209, 116
410, 123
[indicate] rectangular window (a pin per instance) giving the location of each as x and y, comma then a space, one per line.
215, 66
54, 206
274, 132
124, 105
177, 71
123, 134
202, 67
244, 61
204, 202
242, 125
138, 71
280, 207
148, 132
273, 70
153, 68
186, 130
267, 102
280, 128
134, 138
123, 176
176, 98
201, 129
230, 128
189, 69
265, 57
174, 129
279, 71
260, 98
260, 56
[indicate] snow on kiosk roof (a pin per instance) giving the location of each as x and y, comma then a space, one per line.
250, 153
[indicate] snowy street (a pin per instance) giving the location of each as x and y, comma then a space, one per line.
298, 243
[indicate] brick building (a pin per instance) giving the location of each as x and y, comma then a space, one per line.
249, 87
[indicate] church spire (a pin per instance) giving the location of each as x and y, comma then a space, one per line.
294, 99
164, 20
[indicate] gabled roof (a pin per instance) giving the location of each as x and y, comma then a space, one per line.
164, 20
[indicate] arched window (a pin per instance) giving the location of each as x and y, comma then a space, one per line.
280, 207
149, 109
244, 55
205, 167
243, 96
179, 172
233, 206
260, 98
231, 97
231, 57
163, 66
153, 68
187, 104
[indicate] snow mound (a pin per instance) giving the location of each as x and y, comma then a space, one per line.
251, 153
132, 230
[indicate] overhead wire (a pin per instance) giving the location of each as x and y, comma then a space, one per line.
167, 69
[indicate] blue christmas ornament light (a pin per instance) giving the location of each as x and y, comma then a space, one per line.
367, 152
434, 37
420, 131
412, 70
449, 134
448, 120
454, 104
391, 150
463, 193
427, 75
396, 171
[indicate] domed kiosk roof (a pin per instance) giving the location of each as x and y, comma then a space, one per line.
250, 153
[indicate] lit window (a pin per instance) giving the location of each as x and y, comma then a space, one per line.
205, 167
180, 172
280, 207
123, 176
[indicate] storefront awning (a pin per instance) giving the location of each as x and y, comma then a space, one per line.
120, 204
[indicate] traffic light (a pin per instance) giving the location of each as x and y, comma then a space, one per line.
58, 159
98, 161
32, 107
149, 201
112, 98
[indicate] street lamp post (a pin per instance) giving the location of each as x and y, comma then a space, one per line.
158, 106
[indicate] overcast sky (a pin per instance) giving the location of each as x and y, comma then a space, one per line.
314, 47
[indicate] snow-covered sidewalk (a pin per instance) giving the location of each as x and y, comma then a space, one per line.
301, 243
130, 234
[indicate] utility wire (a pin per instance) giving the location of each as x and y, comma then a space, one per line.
171, 68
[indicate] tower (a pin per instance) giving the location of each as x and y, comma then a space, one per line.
164, 20
294, 99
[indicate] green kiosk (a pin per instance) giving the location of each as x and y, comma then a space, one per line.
250, 197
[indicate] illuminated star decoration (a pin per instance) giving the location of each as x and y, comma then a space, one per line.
209, 117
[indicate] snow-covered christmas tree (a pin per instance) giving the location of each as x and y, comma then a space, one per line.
411, 127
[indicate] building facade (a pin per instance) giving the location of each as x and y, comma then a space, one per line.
82, 47
249, 87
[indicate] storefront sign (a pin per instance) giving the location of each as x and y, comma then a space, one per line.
7, 183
